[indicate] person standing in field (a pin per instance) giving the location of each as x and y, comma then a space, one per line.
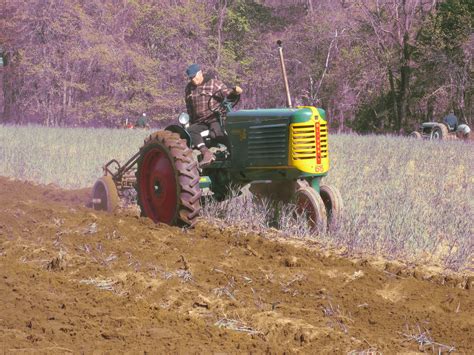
197, 94
142, 122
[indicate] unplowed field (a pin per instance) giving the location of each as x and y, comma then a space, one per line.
76, 280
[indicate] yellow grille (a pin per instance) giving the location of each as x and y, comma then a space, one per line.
309, 145
323, 139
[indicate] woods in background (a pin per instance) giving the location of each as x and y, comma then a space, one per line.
374, 65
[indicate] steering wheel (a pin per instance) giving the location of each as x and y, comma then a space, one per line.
225, 104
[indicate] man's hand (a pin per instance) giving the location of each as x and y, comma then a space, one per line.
237, 89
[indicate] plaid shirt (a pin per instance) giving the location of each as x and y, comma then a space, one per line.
197, 98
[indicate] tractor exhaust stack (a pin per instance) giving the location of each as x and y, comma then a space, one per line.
285, 77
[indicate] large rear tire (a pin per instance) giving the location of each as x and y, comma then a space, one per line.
104, 194
310, 204
334, 206
439, 132
168, 180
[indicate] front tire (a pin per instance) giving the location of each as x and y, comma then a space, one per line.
439, 132
334, 206
310, 204
168, 180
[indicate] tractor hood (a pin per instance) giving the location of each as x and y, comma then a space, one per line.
285, 138
292, 115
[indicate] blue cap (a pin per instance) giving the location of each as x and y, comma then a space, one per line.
192, 70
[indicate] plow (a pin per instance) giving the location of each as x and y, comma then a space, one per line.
118, 181
282, 153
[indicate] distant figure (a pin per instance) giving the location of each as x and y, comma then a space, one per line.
127, 124
142, 122
451, 120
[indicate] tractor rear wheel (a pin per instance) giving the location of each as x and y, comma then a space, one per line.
104, 194
334, 206
309, 203
439, 132
415, 134
168, 180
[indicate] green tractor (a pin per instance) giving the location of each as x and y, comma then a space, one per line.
281, 152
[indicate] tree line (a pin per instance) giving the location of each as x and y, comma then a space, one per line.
373, 65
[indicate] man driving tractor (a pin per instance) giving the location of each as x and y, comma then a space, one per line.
282, 153
197, 95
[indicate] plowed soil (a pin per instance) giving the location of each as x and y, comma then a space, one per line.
77, 280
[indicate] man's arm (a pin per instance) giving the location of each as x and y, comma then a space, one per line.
225, 91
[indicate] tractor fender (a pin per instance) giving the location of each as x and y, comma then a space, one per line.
182, 133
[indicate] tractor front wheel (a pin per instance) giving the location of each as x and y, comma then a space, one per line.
334, 206
415, 134
310, 204
168, 180
104, 194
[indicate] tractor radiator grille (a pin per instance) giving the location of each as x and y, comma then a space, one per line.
310, 141
268, 144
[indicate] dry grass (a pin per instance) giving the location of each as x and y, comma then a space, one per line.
403, 198
425, 341
406, 198
67, 157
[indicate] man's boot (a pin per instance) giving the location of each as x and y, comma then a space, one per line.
207, 157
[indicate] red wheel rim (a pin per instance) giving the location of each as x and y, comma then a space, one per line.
158, 186
305, 207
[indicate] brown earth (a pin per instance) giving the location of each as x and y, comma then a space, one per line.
77, 280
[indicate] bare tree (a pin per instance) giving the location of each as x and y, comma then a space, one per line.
395, 25
333, 44
221, 11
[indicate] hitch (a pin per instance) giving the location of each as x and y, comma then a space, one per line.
124, 175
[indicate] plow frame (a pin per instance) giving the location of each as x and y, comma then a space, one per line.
124, 176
